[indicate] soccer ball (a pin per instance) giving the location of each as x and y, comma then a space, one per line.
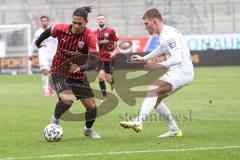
53, 133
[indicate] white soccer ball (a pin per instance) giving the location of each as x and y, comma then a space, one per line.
53, 133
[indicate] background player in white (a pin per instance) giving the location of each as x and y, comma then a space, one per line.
45, 54
180, 72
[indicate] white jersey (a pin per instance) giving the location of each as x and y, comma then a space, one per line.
174, 46
51, 45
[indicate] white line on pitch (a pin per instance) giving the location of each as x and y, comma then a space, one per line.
121, 152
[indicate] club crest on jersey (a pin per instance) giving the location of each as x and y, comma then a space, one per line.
106, 35
81, 44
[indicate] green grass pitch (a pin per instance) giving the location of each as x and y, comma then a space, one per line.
210, 110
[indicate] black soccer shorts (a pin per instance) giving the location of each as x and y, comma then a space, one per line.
106, 66
80, 87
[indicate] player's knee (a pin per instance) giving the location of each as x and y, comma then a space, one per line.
164, 89
103, 75
161, 97
161, 92
152, 88
68, 100
151, 93
89, 103
101, 79
109, 79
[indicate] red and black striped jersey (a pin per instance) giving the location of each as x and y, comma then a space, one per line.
72, 48
106, 39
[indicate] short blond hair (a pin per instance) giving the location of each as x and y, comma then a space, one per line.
152, 13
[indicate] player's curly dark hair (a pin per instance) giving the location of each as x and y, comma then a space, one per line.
83, 12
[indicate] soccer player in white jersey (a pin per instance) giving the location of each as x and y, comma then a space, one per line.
179, 74
45, 55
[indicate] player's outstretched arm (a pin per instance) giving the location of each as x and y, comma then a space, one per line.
155, 53
174, 60
152, 66
75, 68
114, 52
42, 37
137, 58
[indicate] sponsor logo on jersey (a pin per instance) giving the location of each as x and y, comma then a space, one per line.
172, 44
106, 35
81, 44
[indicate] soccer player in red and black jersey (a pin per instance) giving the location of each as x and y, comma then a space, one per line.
107, 42
75, 42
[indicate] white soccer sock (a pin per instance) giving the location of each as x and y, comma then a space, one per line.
54, 120
165, 114
147, 107
45, 83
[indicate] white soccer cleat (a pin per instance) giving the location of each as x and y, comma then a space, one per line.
171, 134
131, 124
54, 120
89, 132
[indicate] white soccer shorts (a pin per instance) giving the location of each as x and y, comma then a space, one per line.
45, 59
179, 78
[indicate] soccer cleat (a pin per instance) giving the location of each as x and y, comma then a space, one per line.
89, 132
54, 120
131, 124
172, 134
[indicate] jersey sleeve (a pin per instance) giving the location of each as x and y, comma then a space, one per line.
114, 35
155, 53
55, 30
92, 43
174, 49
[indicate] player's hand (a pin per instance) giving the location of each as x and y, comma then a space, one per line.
74, 68
112, 54
152, 66
137, 58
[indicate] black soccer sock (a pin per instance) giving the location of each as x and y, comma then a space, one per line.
60, 109
90, 115
103, 88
